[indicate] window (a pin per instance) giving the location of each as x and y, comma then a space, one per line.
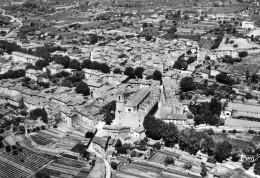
119, 97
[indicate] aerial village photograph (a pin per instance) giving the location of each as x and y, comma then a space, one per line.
129, 88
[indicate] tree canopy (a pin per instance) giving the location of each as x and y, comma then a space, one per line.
109, 112
222, 151
75, 64
82, 88
138, 72
187, 84
129, 71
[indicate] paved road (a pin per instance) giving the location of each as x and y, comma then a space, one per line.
107, 165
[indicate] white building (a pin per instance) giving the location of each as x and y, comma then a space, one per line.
248, 24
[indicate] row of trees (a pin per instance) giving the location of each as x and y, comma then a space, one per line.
39, 113
88, 64
12, 74
189, 140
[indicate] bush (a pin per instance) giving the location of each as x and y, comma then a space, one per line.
43, 127
235, 157
246, 165
157, 146
55, 126
114, 165
133, 153
15, 152
89, 134
169, 160
8, 149
187, 166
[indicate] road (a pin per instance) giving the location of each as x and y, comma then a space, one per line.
107, 165
13, 19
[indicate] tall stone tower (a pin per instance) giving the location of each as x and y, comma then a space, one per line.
120, 100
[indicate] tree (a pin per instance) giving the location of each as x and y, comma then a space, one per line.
203, 170
122, 150
62, 74
8, 149
157, 75
104, 68
129, 71
2, 130
82, 88
187, 84
15, 152
172, 30
93, 39
227, 40
133, 153
207, 145
169, 160
86, 64
113, 165
40, 64
44, 116
222, 151
109, 112
1, 141
154, 127
139, 72
36, 113
191, 60
224, 78
42, 127
248, 96
41, 175
157, 145
74, 64
118, 144
180, 64
255, 78
55, 126
246, 165
243, 54
170, 134
21, 103
187, 166
257, 168
235, 157
65, 61
117, 71
215, 106
89, 134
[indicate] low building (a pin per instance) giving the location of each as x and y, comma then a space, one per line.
248, 25
115, 130
138, 132
177, 119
